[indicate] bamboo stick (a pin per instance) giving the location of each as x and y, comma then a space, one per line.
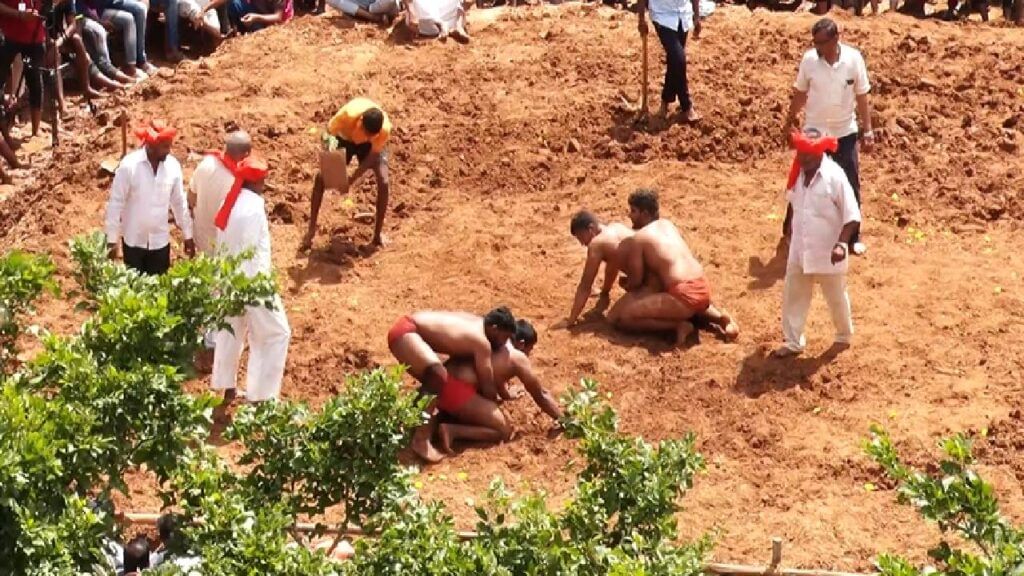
718, 568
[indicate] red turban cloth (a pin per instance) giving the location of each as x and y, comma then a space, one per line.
251, 169
155, 132
808, 145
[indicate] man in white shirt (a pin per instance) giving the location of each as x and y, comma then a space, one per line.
825, 216
242, 225
210, 184
147, 183
833, 84
673, 20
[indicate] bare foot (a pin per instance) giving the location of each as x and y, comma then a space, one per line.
730, 329
662, 112
445, 435
148, 68
460, 35
307, 242
425, 450
692, 116
683, 332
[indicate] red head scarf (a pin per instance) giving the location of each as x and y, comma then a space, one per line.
808, 145
251, 169
155, 132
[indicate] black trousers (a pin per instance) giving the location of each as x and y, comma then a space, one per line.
147, 261
33, 77
847, 158
676, 87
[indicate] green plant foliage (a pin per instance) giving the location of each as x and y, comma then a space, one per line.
95, 404
23, 278
960, 502
298, 456
620, 522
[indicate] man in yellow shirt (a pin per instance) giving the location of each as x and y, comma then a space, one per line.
362, 129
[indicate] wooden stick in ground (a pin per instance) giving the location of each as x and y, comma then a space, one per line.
776, 555
124, 133
643, 81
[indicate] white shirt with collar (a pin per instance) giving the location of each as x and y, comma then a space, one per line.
210, 183
832, 90
247, 227
672, 13
140, 199
820, 210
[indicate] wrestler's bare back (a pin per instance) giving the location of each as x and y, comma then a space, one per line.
452, 333
666, 253
609, 241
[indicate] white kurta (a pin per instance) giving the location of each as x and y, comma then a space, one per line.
431, 17
267, 331
210, 183
140, 199
820, 210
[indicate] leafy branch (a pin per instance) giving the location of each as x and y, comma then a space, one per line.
960, 502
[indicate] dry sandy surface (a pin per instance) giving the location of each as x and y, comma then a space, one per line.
497, 143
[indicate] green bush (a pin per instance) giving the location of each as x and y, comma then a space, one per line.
961, 503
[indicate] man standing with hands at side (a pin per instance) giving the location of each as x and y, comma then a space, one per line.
825, 216
833, 85
673, 20
147, 184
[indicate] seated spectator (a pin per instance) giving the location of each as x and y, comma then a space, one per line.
94, 36
205, 22
253, 15
136, 555
438, 18
380, 11
65, 26
129, 18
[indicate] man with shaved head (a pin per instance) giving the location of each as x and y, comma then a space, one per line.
210, 184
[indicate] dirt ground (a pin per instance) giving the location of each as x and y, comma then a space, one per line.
497, 143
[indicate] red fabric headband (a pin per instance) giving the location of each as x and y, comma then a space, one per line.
807, 145
251, 169
155, 132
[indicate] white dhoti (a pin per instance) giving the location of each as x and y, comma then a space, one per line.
268, 334
796, 302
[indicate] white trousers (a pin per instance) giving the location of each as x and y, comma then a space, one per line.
796, 301
268, 334
351, 7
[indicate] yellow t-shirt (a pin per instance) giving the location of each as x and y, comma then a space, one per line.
347, 124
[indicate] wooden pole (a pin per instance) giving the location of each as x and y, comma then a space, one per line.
124, 133
722, 569
643, 81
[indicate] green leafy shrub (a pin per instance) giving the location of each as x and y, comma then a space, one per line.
23, 278
961, 503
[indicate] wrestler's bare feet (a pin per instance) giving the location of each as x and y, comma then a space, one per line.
730, 329
424, 449
683, 332
444, 434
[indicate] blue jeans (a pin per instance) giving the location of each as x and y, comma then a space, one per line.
137, 10
239, 8
674, 42
170, 9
